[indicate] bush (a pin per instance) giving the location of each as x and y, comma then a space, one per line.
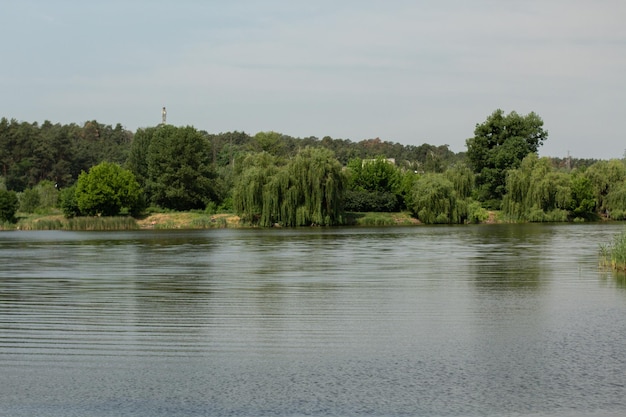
370, 201
8, 206
476, 213
68, 203
106, 189
29, 200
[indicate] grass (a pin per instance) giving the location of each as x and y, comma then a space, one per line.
188, 220
58, 222
380, 219
54, 220
613, 255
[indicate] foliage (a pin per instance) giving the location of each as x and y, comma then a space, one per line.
44, 196
476, 213
106, 189
308, 190
30, 153
462, 179
500, 144
378, 174
8, 206
615, 202
583, 203
605, 176
435, 200
270, 142
535, 189
255, 171
375, 185
366, 201
614, 254
137, 161
180, 175
29, 200
68, 202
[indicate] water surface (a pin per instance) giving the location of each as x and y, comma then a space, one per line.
420, 321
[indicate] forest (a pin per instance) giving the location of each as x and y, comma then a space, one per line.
272, 179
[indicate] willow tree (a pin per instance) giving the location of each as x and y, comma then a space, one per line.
435, 200
307, 190
462, 179
615, 202
605, 177
314, 188
535, 192
254, 172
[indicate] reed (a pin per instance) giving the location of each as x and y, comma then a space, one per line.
379, 219
613, 255
102, 223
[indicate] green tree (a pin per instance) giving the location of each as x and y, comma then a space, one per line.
374, 185
436, 201
29, 200
307, 190
137, 160
180, 175
535, 192
270, 142
68, 203
583, 202
499, 144
253, 174
106, 189
616, 202
605, 176
8, 206
462, 179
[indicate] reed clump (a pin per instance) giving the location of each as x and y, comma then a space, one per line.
379, 219
80, 223
613, 255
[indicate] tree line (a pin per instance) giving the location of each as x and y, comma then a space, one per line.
275, 179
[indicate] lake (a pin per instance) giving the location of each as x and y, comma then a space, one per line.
483, 320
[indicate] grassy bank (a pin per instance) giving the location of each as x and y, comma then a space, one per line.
177, 220
183, 220
613, 255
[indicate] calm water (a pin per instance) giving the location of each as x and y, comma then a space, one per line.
503, 320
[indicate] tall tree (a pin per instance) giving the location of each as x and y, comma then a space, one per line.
180, 175
536, 192
500, 144
307, 190
435, 200
137, 160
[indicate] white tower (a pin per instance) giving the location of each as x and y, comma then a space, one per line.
163, 116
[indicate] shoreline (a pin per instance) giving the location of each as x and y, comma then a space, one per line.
179, 221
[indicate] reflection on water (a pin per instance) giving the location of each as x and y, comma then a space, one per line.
437, 321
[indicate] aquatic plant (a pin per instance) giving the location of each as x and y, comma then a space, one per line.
613, 255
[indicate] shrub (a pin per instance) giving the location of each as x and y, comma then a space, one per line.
8, 206
106, 189
368, 201
68, 203
29, 200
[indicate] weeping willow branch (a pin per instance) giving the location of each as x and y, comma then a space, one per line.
308, 190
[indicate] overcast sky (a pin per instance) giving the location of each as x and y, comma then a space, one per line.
405, 71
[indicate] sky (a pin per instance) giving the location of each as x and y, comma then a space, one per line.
403, 71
